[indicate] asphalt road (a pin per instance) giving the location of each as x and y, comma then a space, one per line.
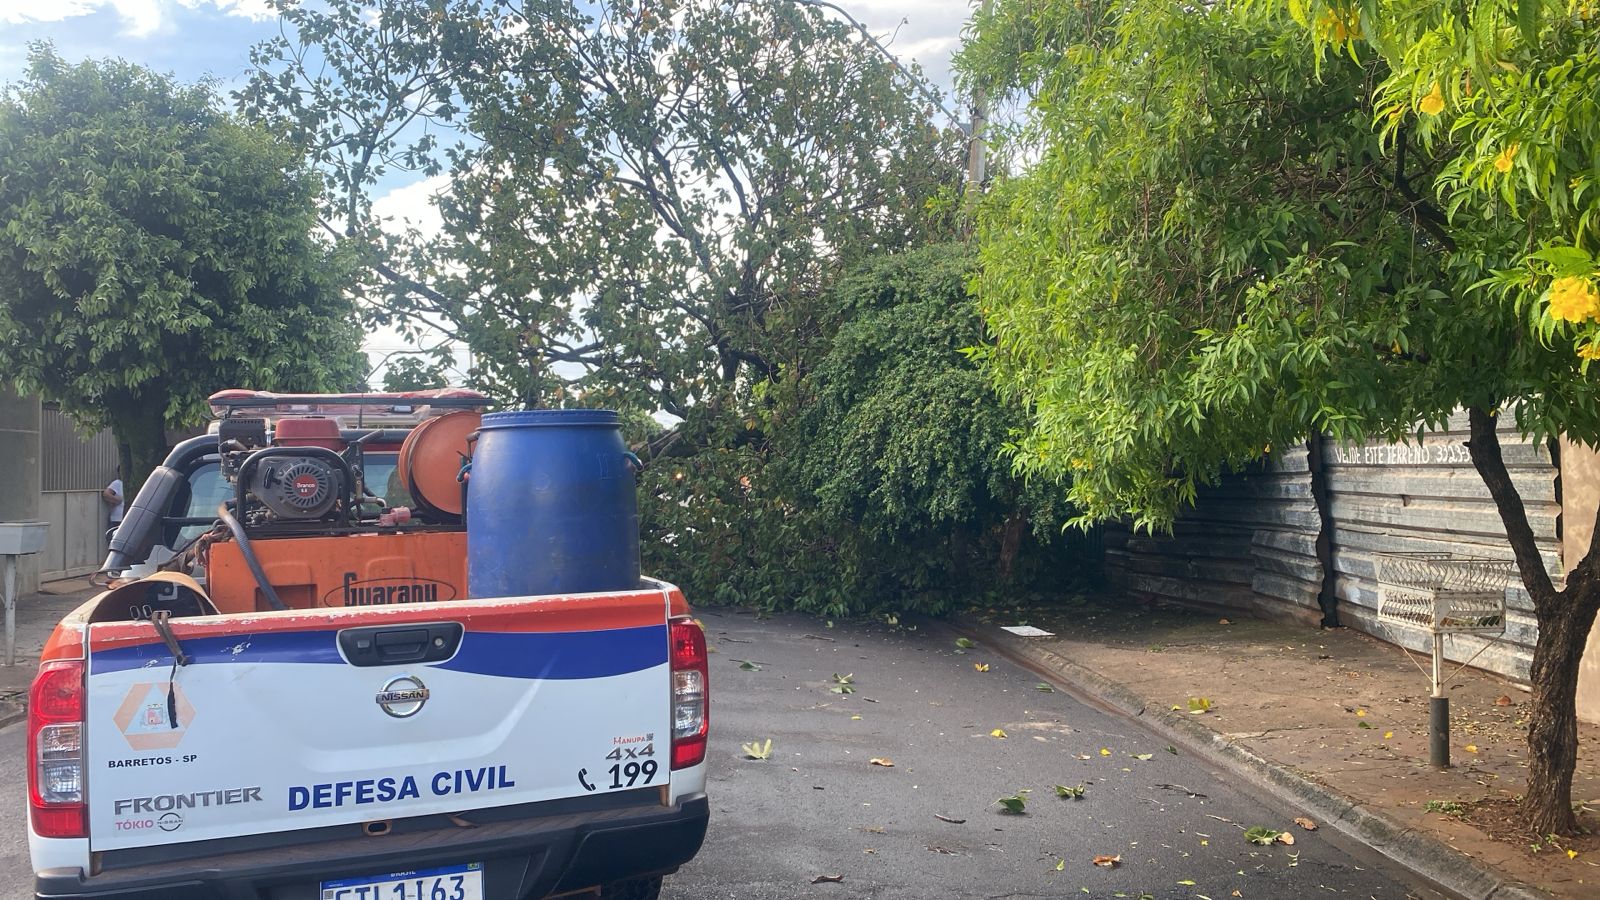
16, 875
818, 807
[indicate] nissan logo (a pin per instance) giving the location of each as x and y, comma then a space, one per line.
403, 696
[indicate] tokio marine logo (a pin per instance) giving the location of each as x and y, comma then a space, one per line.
403, 696
145, 716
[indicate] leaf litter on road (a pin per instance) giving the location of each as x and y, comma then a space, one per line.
758, 750
1265, 837
1015, 804
1075, 792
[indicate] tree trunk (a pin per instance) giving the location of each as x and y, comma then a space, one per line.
140, 426
1564, 618
1011, 542
1553, 719
1328, 594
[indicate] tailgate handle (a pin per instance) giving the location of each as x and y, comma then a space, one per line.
403, 645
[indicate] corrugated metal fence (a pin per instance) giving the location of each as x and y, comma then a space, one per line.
1428, 496
75, 469
1250, 542
70, 461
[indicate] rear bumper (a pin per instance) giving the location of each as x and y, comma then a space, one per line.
523, 858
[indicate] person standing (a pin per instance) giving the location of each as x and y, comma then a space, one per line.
112, 495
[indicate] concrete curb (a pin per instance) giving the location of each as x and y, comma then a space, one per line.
12, 712
1421, 853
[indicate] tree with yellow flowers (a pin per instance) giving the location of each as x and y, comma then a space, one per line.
1247, 222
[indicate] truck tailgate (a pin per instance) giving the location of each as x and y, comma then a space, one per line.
301, 719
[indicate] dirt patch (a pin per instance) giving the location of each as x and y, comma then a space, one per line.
1501, 819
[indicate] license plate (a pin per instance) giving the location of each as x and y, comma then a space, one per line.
463, 882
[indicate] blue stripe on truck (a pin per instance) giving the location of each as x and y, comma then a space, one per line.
559, 655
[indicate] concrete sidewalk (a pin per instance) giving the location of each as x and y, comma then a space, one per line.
1335, 722
37, 615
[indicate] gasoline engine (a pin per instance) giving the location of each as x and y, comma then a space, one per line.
307, 475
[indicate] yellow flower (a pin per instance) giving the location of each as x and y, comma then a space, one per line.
1339, 25
1502, 163
1590, 350
1433, 104
1573, 299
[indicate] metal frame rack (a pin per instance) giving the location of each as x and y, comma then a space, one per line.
1444, 594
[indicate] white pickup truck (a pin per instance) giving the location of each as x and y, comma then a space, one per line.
395, 742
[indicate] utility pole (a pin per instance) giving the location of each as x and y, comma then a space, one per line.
977, 149
977, 146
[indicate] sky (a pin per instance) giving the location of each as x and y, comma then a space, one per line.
195, 39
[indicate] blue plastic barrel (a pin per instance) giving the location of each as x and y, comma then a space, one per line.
551, 506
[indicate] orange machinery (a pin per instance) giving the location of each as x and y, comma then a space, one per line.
371, 568
341, 570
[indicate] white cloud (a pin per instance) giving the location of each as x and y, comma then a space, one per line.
412, 205
254, 10
140, 18
16, 12
934, 49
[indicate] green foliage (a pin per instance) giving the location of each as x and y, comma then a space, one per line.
1209, 258
408, 373
1515, 135
153, 250
868, 475
902, 436
633, 189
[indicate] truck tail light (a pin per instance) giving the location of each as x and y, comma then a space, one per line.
55, 750
691, 700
